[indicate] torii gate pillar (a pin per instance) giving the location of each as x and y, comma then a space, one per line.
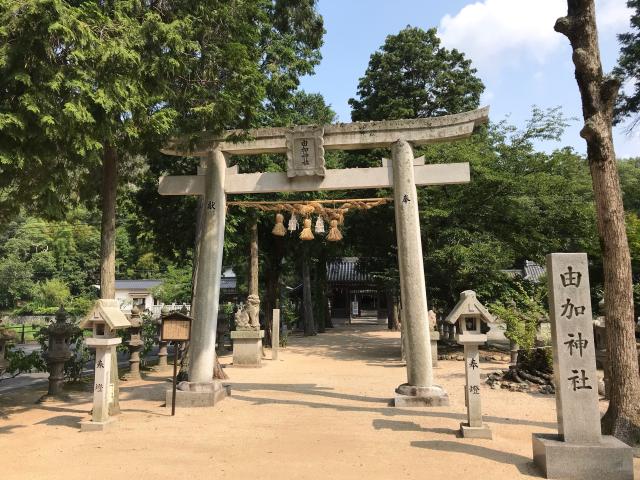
207, 289
419, 389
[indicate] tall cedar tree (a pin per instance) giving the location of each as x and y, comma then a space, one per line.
413, 76
87, 84
599, 93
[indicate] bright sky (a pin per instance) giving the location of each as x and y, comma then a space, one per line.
520, 58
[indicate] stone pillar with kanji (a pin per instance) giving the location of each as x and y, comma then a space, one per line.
579, 450
469, 315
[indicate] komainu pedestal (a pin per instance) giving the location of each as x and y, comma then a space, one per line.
247, 348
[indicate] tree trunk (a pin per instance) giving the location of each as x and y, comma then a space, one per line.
307, 307
253, 257
270, 296
272, 287
108, 252
321, 291
598, 94
108, 224
392, 311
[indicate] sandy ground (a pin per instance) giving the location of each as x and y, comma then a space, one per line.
320, 411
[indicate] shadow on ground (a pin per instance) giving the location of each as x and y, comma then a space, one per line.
305, 389
524, 464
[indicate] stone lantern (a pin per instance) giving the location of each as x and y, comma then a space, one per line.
600, 336
469, 315
58, 352
6, 336
162, 345
600, 344
434, 336
104, 320
135, 344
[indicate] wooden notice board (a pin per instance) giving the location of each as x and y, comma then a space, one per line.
176, 328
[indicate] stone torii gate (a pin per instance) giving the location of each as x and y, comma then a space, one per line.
304, 146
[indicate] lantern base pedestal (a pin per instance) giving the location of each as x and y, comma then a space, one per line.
194, 395
434, 336
91, 426
412, 396
610, 459
475, 432
247, 348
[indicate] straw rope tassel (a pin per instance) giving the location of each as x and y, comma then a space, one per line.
334, 233
306, 231
278, 228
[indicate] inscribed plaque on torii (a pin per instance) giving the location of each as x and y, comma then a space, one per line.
305, 151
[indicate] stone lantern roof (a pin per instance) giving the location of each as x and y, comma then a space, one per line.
469, 306
107, 311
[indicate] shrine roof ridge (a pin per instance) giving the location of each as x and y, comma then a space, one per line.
339, 136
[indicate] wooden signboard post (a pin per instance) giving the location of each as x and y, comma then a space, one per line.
176, 328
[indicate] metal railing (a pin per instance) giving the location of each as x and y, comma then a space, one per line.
22, 331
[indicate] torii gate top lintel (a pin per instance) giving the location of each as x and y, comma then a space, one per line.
340, 136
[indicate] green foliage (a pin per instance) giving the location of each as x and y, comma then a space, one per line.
633, 237
629, 171
521, 309
520, 205
628, 67
175, 287
45, 262
289, 317
412, 76
51, 292
15, 281
149, 336
21, 362
79, 78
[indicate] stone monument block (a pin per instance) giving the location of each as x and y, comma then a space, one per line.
579, 450
247, 348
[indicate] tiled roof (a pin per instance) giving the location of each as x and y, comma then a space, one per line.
228, 283
533, 272
345, 270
